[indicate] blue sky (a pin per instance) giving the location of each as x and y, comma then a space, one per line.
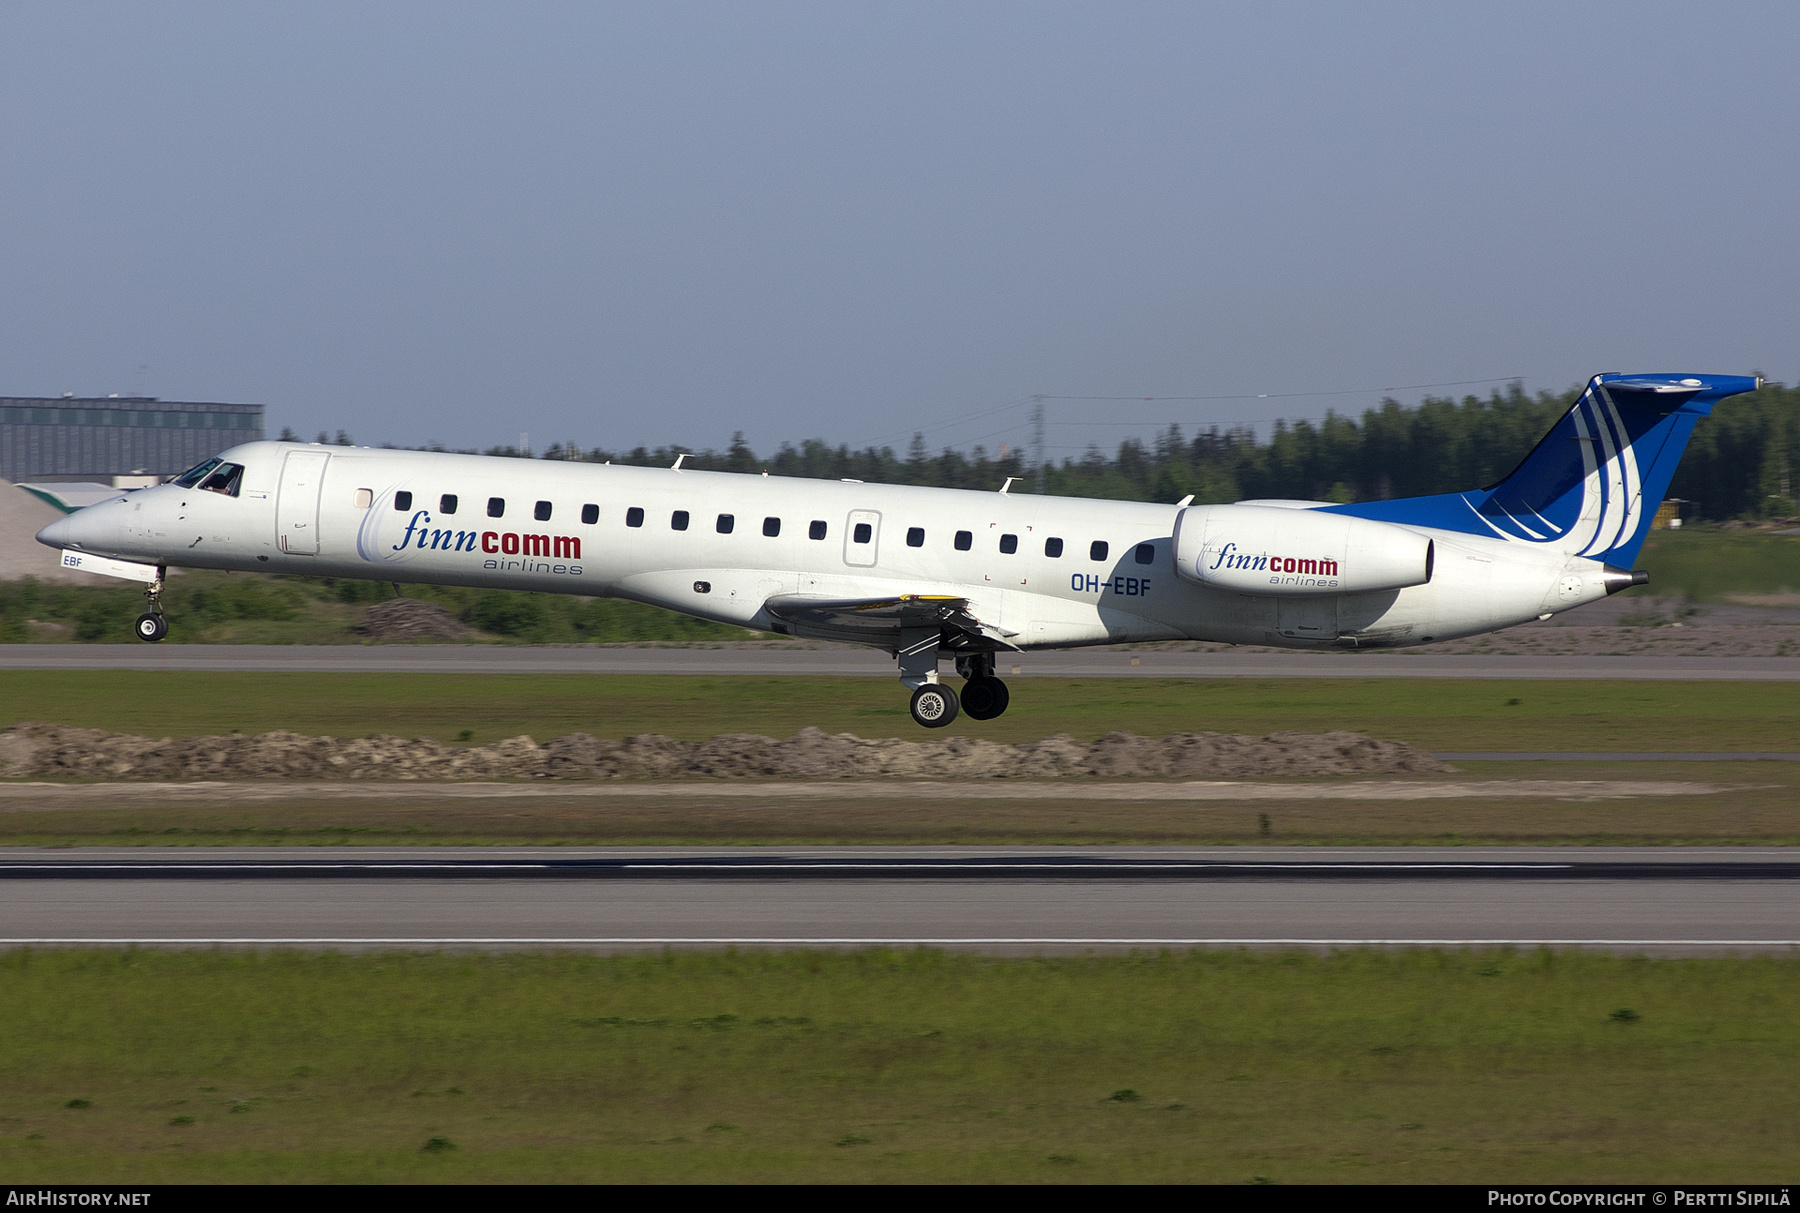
665, 222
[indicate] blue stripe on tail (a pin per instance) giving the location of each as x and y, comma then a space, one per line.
1593, 485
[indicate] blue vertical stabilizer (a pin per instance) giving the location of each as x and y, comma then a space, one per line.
1593, 485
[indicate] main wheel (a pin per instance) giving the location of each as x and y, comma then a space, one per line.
985, 698
151, 627
934, 705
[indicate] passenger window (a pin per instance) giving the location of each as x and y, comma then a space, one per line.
725, 523
1053, 548
678, 521
496, 507
590, 514
915, 536
365, 498
1009, 544
403, 501
1097, 550
447, 503
771, 527
816, 530
863, 533
1144, 553
634, 516
964, 541
542, 513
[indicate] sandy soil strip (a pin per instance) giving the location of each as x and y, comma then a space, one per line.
23, 796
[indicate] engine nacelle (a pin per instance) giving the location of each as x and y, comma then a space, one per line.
1262, 550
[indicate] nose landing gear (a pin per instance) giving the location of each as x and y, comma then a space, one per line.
152, 626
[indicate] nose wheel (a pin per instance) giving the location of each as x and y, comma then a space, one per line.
152, 626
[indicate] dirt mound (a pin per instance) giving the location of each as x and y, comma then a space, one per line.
55, 750
411, 619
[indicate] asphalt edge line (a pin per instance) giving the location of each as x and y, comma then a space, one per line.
885, 941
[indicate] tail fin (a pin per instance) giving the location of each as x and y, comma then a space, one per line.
1594, 482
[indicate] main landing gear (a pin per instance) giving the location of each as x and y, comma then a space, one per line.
934, 704
983, 695
152, 625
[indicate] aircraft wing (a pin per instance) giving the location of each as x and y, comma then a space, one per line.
881, 622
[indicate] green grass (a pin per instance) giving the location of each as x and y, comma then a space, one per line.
1706, 564
208, 607
1434, 713
878, 1066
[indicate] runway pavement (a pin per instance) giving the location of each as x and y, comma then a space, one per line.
1003, 900
845, 661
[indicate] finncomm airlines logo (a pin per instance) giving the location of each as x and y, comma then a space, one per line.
1282, 570
422, 536
1228, 557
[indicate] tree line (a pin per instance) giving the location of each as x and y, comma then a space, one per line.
1740, 463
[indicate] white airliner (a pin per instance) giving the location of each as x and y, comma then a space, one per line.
932, 574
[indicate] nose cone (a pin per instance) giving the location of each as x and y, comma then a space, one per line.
94, 529
59, 534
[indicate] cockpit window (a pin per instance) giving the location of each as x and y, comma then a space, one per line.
224, 479
195, 475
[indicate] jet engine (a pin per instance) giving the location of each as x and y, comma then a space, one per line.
1260, 550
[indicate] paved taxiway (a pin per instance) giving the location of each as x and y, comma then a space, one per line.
991, 899
845, 661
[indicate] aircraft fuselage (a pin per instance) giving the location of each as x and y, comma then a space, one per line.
1049, 571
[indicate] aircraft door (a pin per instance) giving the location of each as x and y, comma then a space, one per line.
862, 538
297, 505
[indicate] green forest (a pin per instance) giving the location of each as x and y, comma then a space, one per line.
1739, 465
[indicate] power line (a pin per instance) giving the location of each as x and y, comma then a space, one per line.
1037, 400
1178, 421
959, 419
1037, 443
1363, 391
1038, 422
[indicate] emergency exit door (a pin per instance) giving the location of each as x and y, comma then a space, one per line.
862, 537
